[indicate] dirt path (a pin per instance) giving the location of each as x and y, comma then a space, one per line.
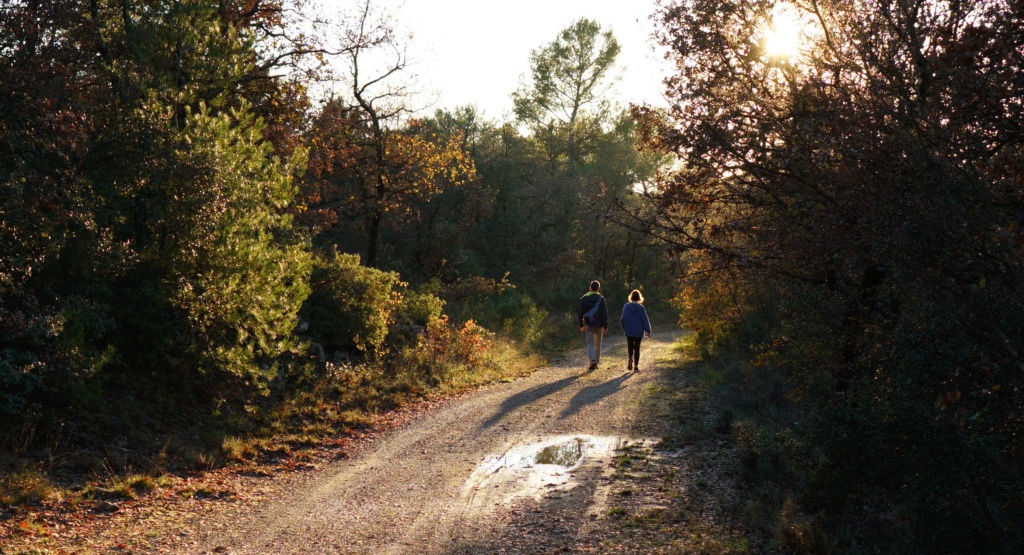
538, 465
453, 478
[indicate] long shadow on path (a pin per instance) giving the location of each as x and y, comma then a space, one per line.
526, 397
591, 394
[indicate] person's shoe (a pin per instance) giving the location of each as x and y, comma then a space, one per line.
636, 366
593, 364
629, 366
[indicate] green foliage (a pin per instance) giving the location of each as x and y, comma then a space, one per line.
21, 383
33, 378
422, 306
352, 306
239, 286
516, 315
569, 74
499, 306
159, 32
144, 231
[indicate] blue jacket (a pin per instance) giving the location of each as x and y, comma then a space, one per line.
587, 302
634, 320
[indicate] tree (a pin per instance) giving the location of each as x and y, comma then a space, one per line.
136, 186
396, 161
239, 284
433, 240
856, 194
585, 155
51, 331
565, 101
367, 178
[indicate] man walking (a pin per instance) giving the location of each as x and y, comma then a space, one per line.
593, 318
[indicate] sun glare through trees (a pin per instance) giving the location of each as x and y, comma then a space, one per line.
785, 33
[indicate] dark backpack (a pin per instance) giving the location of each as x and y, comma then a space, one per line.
590, 316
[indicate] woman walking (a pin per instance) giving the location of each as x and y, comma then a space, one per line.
636, 325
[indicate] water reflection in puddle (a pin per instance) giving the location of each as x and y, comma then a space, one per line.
563, 454
534, 469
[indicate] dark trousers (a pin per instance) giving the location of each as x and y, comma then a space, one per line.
633, 349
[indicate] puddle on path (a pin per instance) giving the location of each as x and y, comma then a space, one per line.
565, 454
535, 469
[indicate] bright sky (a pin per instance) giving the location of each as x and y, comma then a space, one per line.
477, 51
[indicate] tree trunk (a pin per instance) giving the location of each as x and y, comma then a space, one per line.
372, 238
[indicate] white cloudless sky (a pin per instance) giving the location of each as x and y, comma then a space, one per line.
477, 51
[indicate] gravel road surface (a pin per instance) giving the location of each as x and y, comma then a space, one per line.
457, 479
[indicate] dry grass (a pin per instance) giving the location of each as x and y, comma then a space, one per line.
26, 486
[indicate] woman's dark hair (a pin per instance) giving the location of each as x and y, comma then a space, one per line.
595, 285
636, 296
